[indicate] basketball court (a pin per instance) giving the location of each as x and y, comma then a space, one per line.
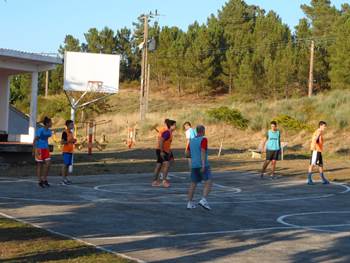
251, 219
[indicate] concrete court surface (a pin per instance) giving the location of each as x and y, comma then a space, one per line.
251, 220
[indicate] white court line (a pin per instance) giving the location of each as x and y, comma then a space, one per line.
151, 191
72, 238
108, 200
12, 181
235, 189
193, 234
253, 230
282, 220
40, 200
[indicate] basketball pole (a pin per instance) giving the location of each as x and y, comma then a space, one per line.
72, 117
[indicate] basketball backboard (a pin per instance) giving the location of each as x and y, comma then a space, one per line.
82, 69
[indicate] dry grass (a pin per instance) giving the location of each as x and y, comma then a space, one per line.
24, 243
166, 103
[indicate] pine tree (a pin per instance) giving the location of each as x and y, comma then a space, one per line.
340, 52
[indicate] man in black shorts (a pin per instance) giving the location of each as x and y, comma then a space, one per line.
164, 153
273, 149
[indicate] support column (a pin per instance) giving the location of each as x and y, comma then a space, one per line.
33, 106
4, 102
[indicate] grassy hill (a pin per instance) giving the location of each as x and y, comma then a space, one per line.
297, 118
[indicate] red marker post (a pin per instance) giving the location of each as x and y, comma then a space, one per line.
90, 135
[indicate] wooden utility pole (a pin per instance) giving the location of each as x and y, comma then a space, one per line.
147, 86
47, 84
144, 64
311, 73
145, 67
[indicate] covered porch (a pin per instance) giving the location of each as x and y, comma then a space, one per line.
13, 62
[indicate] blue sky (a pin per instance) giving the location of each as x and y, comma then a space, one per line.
41, 25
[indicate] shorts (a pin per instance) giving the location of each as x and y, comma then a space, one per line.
167, 157
67, 159
273, 155
197, 176
316, 158
42, 155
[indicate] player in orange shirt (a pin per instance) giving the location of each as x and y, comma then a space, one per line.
316, 153
163, 152
68, 142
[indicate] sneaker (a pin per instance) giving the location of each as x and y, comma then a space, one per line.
41, 184
66, 182
273, 177
191, 205
325, 182
166, 184
310, 183
156, 183
46, 183
203, 203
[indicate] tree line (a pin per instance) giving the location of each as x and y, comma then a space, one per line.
242, 50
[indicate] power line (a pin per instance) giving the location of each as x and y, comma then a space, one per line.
250, 48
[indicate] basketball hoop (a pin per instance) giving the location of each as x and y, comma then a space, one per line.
89, 78
95, 86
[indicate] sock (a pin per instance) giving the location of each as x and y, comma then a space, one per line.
323, 177
309, 176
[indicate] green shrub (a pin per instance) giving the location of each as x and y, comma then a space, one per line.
342, 118
53, 106
290, 123
229, 116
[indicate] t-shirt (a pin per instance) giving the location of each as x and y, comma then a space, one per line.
195, 147
204, 144
317, 141
67, 136
167, 137
190, 134
273, 140
43, 136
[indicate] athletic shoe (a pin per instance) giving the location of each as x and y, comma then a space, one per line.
46, 183
325, 182
166, 184
273, 177
41, 184
310, 183
66, 182
156, 183
203, 203
191, 205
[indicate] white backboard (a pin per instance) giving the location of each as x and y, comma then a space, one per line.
80, 68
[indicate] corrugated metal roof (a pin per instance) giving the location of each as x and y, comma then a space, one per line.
44, 58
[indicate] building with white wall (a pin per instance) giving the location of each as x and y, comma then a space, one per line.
14, 62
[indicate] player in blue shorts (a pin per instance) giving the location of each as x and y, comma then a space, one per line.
68, 142
200, 168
